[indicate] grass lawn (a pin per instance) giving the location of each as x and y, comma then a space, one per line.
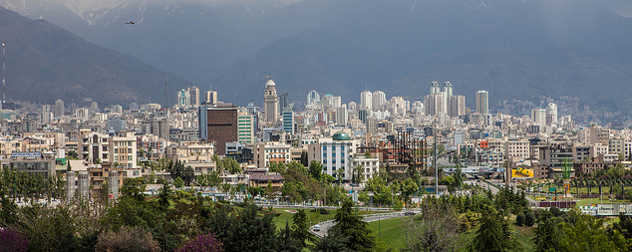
391, 231
313, 217
392, 234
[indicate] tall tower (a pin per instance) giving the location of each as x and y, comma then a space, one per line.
434, 87
270, 105
184, 98
59, 108
379, 100
482, 102
313, 97
551, 114
194, 94
366, 100
447, 88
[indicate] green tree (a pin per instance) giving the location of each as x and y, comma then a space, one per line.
547, 235
520, 219
288, 242
458, 178
409, 188
490, 236
178, 183
300, 227
304, 158
349, 223
252, 232
529, 219
334, 241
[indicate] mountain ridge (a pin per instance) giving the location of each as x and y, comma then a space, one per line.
45, 63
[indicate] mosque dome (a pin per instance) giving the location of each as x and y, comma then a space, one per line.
341, 136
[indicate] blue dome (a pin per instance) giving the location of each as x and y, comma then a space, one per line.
341, 136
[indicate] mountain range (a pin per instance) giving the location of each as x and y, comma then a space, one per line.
512, 48
45, 63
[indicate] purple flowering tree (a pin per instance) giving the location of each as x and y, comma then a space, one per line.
12, 240
204, 243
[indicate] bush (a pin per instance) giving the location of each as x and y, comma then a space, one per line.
12, 240
555, 211
127, 239
529, 219
320, 210
520, 219
204, 243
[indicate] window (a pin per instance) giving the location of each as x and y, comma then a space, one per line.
333, 148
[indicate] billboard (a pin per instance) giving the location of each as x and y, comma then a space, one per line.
521, 173
614, 209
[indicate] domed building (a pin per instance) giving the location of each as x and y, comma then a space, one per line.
335, 155
341, 136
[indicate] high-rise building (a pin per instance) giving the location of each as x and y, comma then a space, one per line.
482, 102
221, 126
202, 122
246, 128
336, 102
378, 100
366, 100
270, 105
551, 114
211, 97
313, 97
538, 115
194, 94
283, 102
184, 98
457, 106
157, 126
447, 88
341, 116
436, 103
434, 87
59, 108
94, 107
288, 121
353, 107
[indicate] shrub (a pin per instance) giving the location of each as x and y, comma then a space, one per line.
127, 239
203, 243
529, 219
520, 219
12, 240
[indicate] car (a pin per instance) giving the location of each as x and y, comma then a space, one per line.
316, 228
409, 213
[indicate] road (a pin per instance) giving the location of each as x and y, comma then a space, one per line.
326, 225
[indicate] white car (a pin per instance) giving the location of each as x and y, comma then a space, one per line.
316, 228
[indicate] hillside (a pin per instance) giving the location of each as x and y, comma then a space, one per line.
46, 63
